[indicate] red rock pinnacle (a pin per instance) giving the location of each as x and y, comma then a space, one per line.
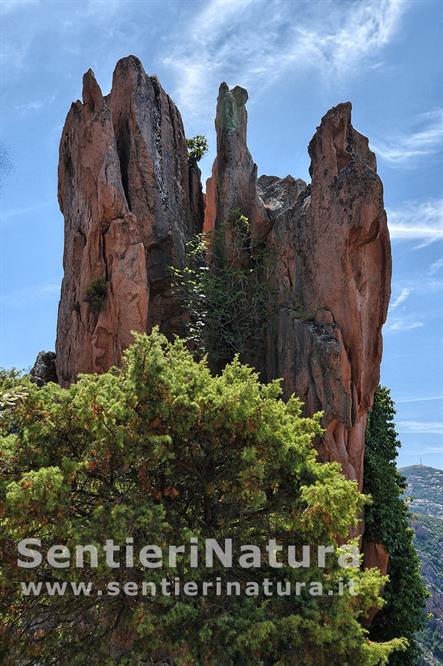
130, 201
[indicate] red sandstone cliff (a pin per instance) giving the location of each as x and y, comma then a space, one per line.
130, 200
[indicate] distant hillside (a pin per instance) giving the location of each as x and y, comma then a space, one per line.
425, 488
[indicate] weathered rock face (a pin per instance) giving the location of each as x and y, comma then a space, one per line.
43, 370
332, 276
334, 286
375, 556
130, 201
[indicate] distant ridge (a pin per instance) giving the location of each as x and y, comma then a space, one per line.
419, 466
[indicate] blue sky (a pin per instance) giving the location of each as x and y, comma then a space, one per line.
297, 58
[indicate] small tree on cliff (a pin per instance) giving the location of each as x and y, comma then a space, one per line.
160, 451
197, 147
387, 521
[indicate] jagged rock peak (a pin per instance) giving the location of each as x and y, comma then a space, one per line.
233, 183
91, 94
338, 142
130, 201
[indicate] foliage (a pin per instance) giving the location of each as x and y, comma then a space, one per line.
13, 389
95, 293
197, 147
227, 297
9, 379
161, 450
387, 522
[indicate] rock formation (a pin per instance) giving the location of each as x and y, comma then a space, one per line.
43, 370
332, 276
130, 200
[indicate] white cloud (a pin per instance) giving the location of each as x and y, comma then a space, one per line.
421, 427
35, 105
417, 221
254, 43
436, 266
212, 20
404, 295
29, 107
425, 139
423, 285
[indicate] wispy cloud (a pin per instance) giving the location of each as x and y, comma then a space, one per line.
401, 317
254, 43
424, 138
404, 324
7, 6
404, 295
421, 427
436, 266
417, 220
17, 212
101, 6
19, 298
426, 399
422, 285
398, 319
35, 105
